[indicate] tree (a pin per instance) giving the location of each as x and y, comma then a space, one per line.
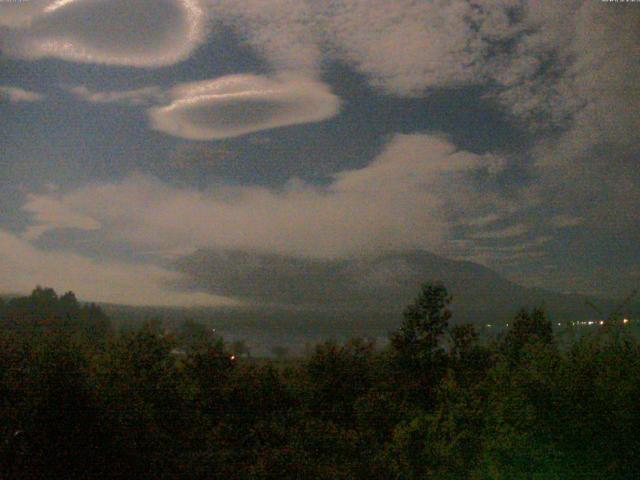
337, 376
279, 352
43, 312
195, 336
527, 328
417, 345
240, 349
469, 360
425, 320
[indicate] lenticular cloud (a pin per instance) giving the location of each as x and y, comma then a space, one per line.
16, 14
143, 33
239, 104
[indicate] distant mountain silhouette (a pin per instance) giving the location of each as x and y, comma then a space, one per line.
381, 284
297, 302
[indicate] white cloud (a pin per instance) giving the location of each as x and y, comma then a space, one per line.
552, 64
436, 41
564, 220
17, 14
22, 267
140, 96
228, 106
520, 246
592, 93
50, 214
404, 46
393, 204
502, 259
144, 33
238, 104
15, 94
285, 32
482, 220
507, 232
442, 43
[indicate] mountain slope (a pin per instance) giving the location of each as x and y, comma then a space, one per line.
360, 286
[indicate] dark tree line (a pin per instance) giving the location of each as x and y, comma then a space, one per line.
78, 400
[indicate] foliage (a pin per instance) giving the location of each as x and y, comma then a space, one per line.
80, 401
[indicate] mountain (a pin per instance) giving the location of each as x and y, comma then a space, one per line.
292, 301
383, 283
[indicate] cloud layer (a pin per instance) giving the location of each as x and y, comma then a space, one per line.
399, 201
22, 266
16, 14
15, 94
552, 64
49, 213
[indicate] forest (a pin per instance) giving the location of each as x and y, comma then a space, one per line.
82, 399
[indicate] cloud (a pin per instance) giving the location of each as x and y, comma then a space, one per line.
22, 267
17, 14
51, 214
140, 96
144, 33
520, 246
563, 70
501, 259
437, 42
15, 94
511, 231
481, 221
553, 65
397, 202
228, 106
286, 33
564, 220
436, 38
444, 44
501, 255
238, 104
583, 94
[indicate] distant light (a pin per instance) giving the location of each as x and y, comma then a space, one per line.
558, 323
601, 322
489, 325
591, 322
626, 320
507, 324
232, 357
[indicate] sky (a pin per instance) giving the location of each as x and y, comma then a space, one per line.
138, 137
